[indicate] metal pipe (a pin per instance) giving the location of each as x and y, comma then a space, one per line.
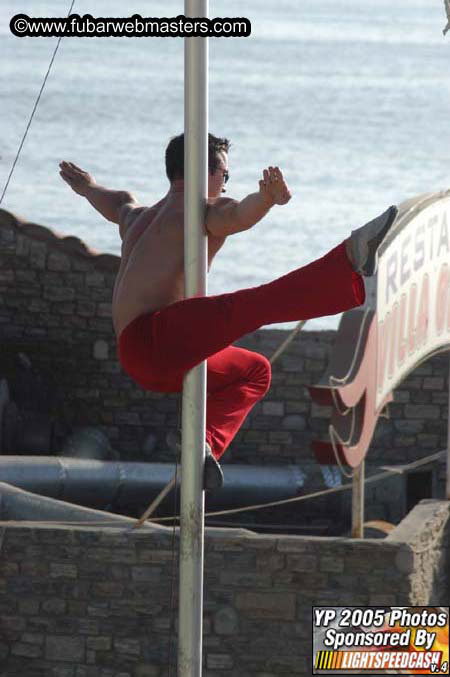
122, 486
358, 502
192, 502
20, 505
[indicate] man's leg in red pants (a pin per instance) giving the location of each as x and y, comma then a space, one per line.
236, 379
157, 349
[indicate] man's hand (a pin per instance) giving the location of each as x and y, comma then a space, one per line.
77, 179
273, 188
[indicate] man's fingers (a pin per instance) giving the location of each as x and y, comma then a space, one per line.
70, 167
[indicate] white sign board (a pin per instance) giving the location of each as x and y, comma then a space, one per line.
413, 299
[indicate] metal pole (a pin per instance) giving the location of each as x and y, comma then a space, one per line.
448, 435
192, 509
358, 502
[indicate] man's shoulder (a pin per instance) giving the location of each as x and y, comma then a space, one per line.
132, 211
220, 215
219, 202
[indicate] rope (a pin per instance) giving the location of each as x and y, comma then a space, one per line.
374, 478
333, 436
33, 112
323, 492
287, 341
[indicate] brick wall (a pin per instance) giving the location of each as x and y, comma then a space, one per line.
55, 306
89, 602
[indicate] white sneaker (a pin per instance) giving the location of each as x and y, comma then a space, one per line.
366, 240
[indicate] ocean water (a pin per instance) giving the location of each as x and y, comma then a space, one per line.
350, 98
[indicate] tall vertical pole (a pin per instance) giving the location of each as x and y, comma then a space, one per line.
192, 511
447, 491
358, 501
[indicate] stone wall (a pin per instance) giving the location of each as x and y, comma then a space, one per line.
55, 307
89, 602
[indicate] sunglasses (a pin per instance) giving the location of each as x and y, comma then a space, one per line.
226, 175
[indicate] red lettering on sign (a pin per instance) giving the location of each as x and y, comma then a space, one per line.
412, 319
424, 313
442, 298
402, 340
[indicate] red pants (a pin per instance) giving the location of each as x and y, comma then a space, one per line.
156, 349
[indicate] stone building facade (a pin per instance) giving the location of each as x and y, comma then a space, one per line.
91, 602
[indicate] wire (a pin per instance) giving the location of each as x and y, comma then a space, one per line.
374, 478
344, 487
33, 112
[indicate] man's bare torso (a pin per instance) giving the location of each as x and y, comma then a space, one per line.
151, 274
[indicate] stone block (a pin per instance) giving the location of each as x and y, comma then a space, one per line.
127, 418
318, 411
58, 261
422, 411
4, 651
245, 579
128, 646
146, 670
104, 309
108, 589
68, 648
433, 383
410, 427
401, 396
273, 408
226, 621
12, 623
292, 364
147, 574
270, 562
293, 422
267, 605
59, 293
26, 650
54, 606
22, 246
101, 350
100, 643
62, 671
28, 606
38, 255
297, 407
63, 570
281, 437
302, 563
383, 600
87, 626
216, 661
427, 440
95, 280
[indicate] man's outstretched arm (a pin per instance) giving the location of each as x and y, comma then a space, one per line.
230, 216
108, 202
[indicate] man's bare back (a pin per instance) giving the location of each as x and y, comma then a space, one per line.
151, 274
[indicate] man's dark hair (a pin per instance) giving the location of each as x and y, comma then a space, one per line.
175, 155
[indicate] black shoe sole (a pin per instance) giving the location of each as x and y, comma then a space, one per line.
213, 475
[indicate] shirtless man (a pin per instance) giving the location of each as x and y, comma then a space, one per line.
161, 335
